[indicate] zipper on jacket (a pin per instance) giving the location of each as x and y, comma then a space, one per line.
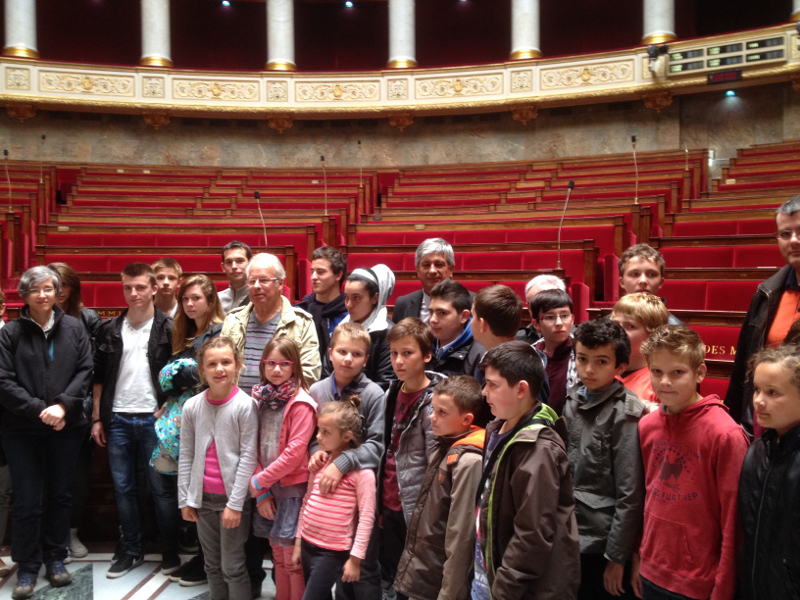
758, 526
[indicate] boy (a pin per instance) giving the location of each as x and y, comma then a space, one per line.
692, 452
527, 535
168, 278
408, 435
639, 314
454, 351
551, 316
603, 449
641, 269
236, 256
441, 533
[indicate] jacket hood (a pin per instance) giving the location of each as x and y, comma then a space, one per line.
711, 402
384, 278
463, 339
476, 437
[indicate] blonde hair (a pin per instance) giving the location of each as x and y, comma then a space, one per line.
355, 331
644, 307
216, 343
678, 340
345, 416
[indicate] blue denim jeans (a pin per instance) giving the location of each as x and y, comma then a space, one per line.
131, 439
42, 469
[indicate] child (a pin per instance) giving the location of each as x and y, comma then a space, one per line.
287, 418
325, 541
408, 435
455, 352
218, 440
603, 448
641, 269
769, 485
527, 535
639, 314
441, 535
692, 452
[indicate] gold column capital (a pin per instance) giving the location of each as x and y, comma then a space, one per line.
281, 65
20, 52
658, 38
795, 16
401, 63
155, 61
525, 54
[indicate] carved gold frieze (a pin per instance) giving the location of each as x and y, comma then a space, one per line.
657, 100
398, 89
18, 79
277, 91
521, 81
90, 84
348, 91
153, 87
156, 118
451, 87
218, 90
793, 44
281, 123
523, 114
401, 120
21, 111
588, 75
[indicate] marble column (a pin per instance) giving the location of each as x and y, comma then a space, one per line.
524, 29
156, 45
795, 11
20, 18
280, 35
402, 45
659, 21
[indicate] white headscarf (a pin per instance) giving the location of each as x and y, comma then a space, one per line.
383, 277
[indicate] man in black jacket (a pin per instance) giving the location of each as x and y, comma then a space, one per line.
131, 351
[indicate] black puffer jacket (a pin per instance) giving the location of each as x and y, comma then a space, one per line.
37, 371
769, 507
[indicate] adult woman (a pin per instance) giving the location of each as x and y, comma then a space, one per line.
70, 301
45, 372
199, 318
365, 294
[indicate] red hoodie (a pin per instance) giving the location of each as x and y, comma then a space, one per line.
691, 462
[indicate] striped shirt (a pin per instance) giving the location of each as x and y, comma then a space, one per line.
329, 520
256, 338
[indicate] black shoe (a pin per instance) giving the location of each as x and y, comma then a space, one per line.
195, 573
123, 566
170, 563
24, 587
57, 574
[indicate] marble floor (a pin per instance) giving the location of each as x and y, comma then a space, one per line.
89, 582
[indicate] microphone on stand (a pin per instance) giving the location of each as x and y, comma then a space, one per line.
325, 181
636, 171
257, 194
41, 166
8, 177
570, 186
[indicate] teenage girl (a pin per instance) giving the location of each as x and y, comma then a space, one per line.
287, 418
325, 543
219, 433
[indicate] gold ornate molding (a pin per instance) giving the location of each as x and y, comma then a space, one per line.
156, 118
657, 100
230, 91
155, 61
54, 81
614, 72
658, 38
281, 123
20, 52
280, 65
448, 87
21, 111
332, 91
401, 63
795, 16
401, 120
525, 54
523, 114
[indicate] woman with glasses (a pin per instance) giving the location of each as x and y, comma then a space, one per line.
45, 373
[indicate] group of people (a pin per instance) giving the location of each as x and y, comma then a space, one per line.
443, 453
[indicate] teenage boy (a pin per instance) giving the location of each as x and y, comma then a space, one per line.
641, 269
441, 533
326, 302
639, 314
168, 279
533, 287
692, 452
408, 435
236, 256
131, 351
527, 534
454, 351
607, 472
551, 315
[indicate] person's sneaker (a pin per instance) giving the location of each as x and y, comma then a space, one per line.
170, 563
57, 574
123, 566
195, 573
76, 547
24, 587
178, 573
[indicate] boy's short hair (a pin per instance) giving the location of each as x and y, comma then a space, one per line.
604, 332
465, 392
500, 308
137, 269
454, 293
336, 258
678, 340
2, 297
647, 308
643, 251
414, 327
167, 262
236, 244
516, 361
547, 300
355, 331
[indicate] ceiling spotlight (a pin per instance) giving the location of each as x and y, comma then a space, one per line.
730, 93
348, 4
225, 3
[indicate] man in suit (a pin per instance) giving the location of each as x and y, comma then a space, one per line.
435, 261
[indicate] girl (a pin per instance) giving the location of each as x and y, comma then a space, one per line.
769, 485
217, 459
324, 543
287, 418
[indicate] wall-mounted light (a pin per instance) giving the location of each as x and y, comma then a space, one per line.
348, 4
730, 93
225, 3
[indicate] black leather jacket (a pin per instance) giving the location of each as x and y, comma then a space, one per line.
769, 489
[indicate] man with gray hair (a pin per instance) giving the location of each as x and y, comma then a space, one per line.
772, 312
538, 284
435, 261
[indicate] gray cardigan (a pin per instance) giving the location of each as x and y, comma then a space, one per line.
234, 428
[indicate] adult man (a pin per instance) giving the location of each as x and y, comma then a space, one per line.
641, 269
235, 257
772, 312
538, 284
435, 261
131, 350
326, 302
168, 279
